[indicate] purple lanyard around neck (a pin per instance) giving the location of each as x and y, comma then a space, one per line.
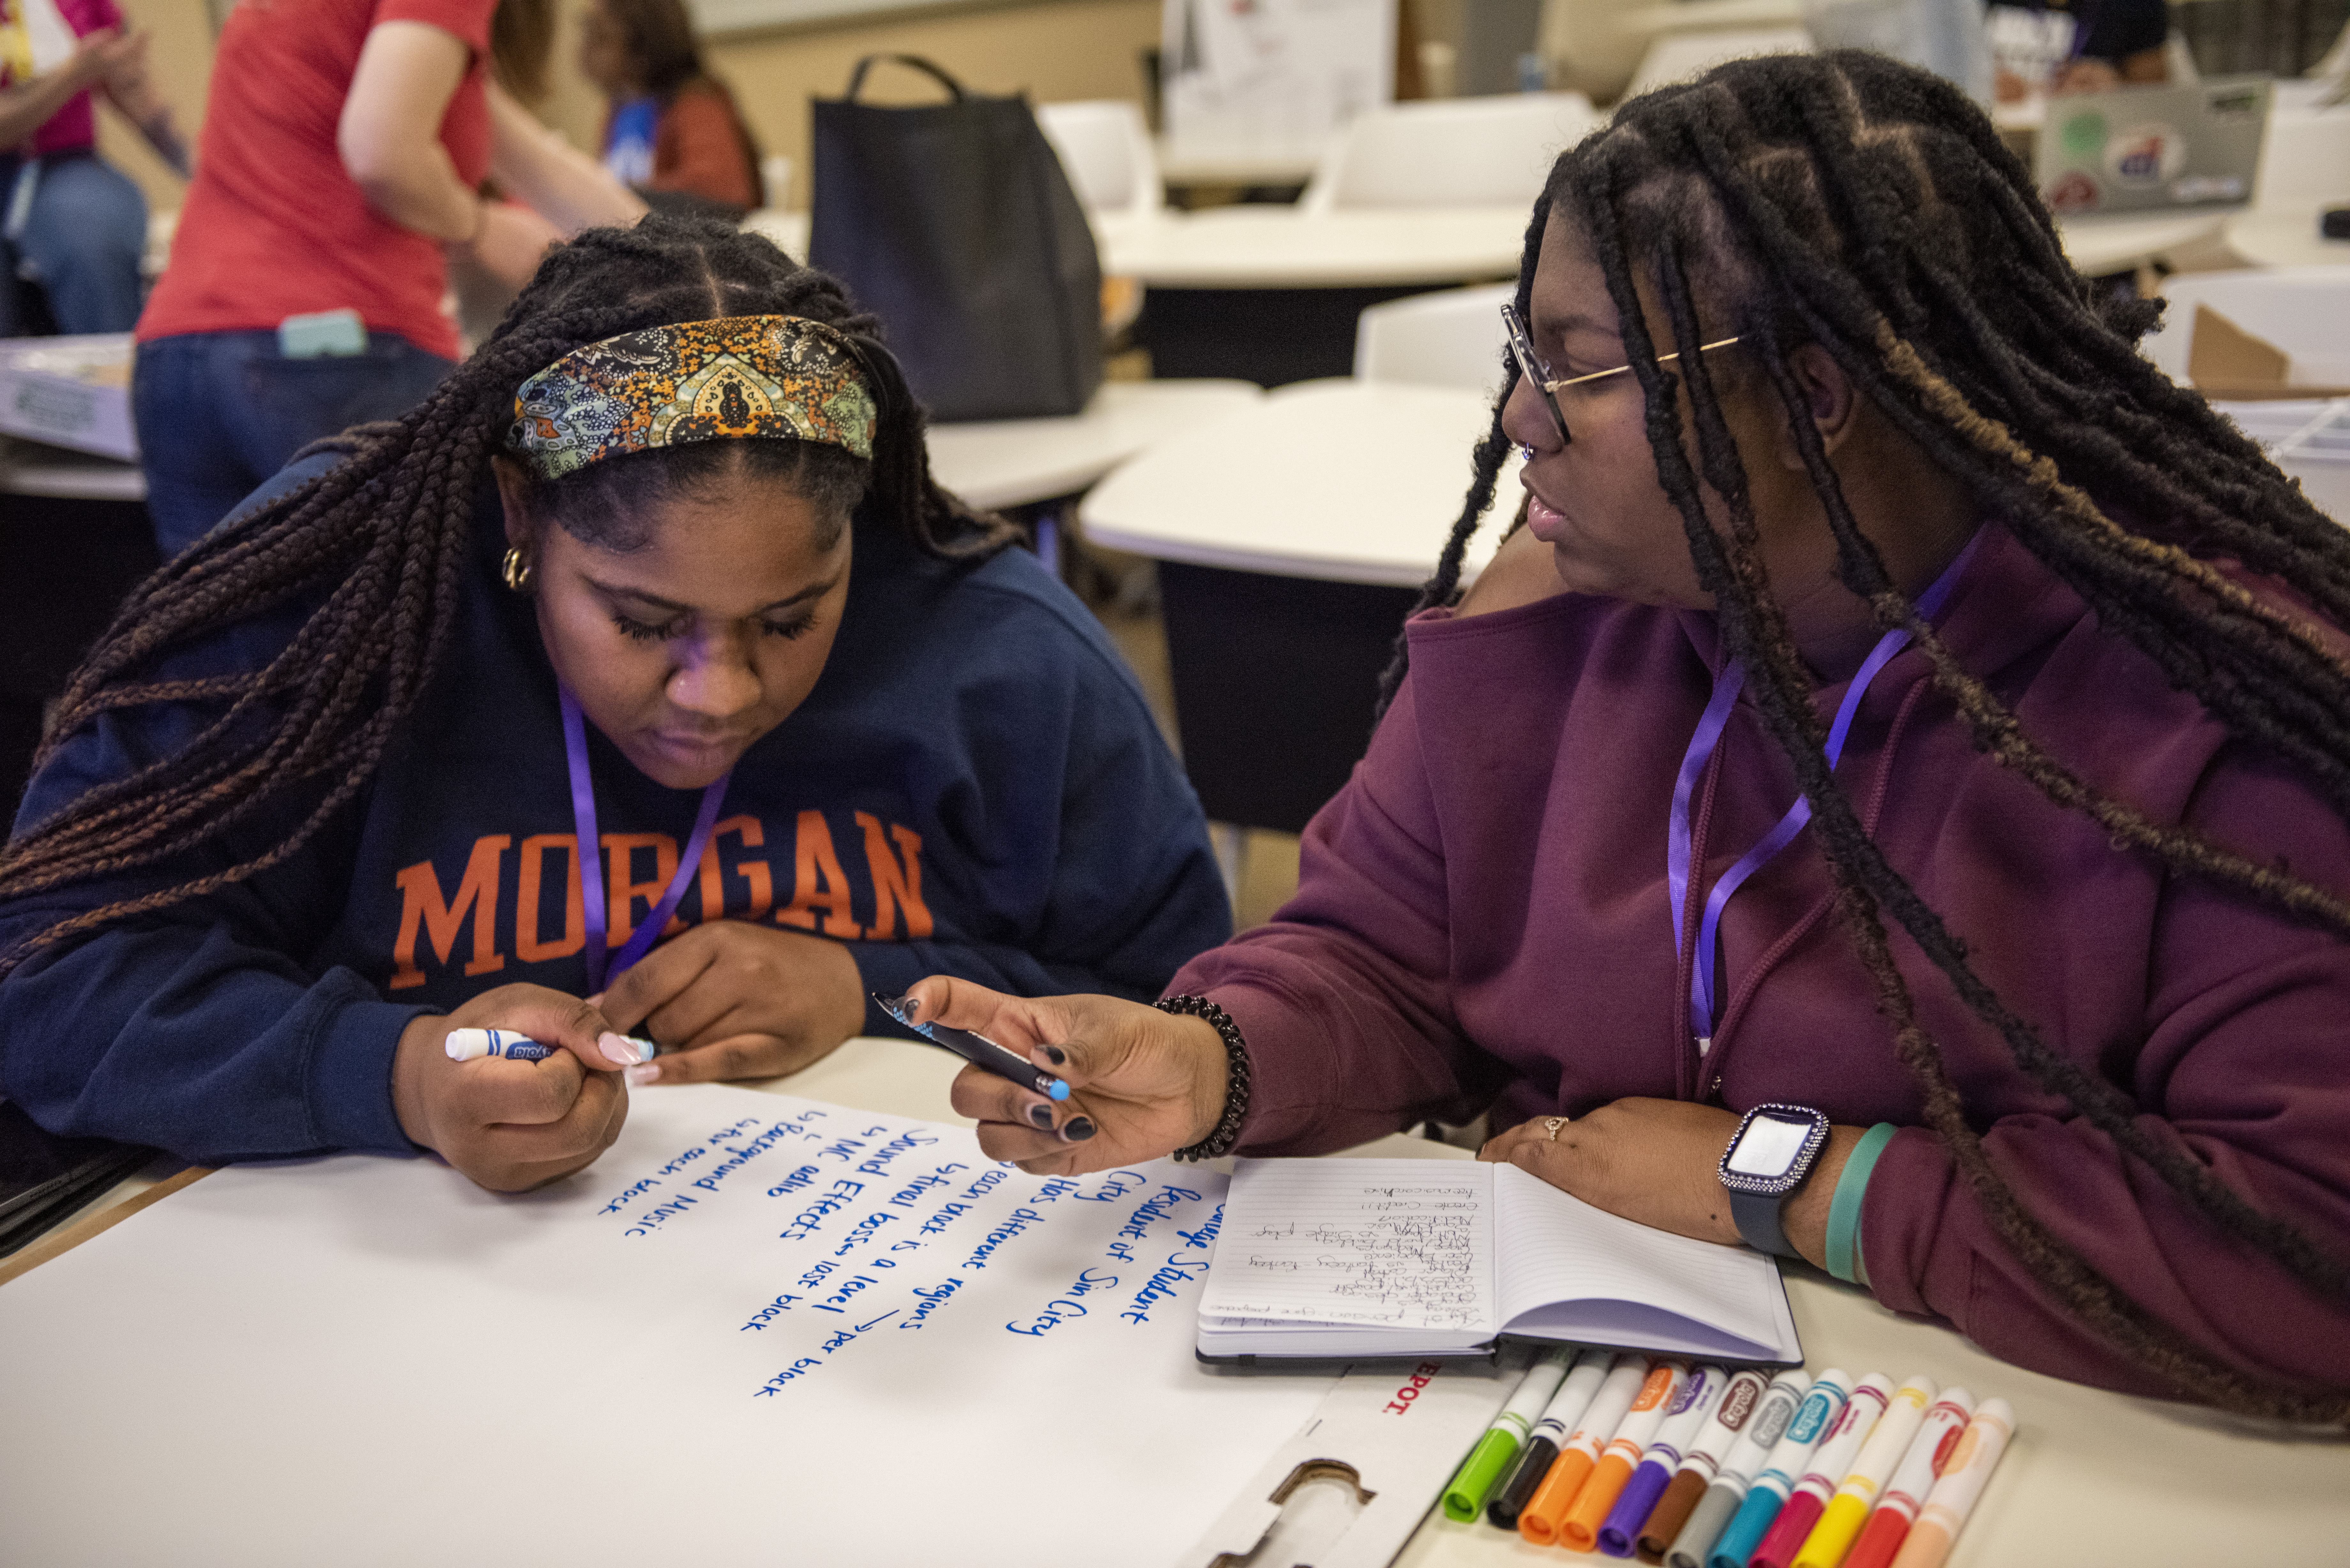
1726, 687
602, 967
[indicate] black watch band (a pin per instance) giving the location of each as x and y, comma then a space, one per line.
1758, 1223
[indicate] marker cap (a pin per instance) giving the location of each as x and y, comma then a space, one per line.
1787, 1533
1579, 1531
1673, 1508
1833, 1536
1540, 1521
1465, 1498
1510, 1502
1694, 1547
1880, 1538
1747, 1528
1632, 1508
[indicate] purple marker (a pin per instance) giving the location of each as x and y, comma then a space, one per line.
1699, 1397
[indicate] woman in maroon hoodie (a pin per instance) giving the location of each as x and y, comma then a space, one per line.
1869, 575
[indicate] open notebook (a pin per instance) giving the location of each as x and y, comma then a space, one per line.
1329, 1258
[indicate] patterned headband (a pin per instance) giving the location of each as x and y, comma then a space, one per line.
775, 378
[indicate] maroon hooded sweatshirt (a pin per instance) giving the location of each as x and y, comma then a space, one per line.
1482, 911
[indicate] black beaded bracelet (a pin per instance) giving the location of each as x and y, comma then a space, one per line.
1236, 1092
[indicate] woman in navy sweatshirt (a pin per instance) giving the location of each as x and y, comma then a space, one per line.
661, 568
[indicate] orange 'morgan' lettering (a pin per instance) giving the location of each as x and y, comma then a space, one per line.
421, 905
817, 881
888, 886
527, 945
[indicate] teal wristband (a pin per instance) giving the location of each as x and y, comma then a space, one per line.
1843, 1208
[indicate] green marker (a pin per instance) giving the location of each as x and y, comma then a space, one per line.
1465, 1498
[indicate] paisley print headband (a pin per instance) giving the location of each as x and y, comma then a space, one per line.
777, 377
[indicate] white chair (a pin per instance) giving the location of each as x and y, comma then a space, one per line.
2303, 310
2304, 158
1108, 152
1450, 339
1681, 56
1452, 153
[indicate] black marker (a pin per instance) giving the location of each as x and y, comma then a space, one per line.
976, 1049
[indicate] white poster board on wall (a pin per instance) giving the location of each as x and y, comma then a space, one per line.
1255, 78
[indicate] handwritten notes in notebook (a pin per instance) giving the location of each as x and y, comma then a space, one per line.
1358, 1241
1410, 1257
724, 1340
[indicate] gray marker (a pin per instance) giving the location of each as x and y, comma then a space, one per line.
1712, 1516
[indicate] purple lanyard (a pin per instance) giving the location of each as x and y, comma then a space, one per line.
1726, 687
602, 966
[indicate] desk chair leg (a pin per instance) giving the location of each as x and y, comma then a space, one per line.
1231, 844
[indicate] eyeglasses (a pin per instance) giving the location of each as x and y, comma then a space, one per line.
1522, 348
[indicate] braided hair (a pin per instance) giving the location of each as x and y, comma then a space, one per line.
1855, 203
376, 550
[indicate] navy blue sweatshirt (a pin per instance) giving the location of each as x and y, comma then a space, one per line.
974, 787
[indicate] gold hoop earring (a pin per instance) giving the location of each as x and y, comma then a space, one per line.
515, 569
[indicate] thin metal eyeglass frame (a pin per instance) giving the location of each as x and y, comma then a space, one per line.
1530, 366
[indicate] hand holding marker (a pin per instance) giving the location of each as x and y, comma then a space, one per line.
976, 1049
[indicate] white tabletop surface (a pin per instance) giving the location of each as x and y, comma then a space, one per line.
1355, 481
2102, 243
2285, 236
1010, 463
2092, 1479
29, 469
1261, 247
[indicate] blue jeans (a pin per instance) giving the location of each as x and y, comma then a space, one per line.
219, 413
81, 243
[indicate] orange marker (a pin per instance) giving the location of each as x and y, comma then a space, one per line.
1963, 1478
1579, 1531
1627, 1381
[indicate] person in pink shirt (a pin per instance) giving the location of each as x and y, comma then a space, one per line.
1906, 724
69, 221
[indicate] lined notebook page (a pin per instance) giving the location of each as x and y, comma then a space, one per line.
1561, 1249
1400, 1243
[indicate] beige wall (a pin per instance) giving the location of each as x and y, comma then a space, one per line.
1055, 49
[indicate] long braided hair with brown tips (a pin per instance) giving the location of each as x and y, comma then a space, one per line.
1854, 203
372, 553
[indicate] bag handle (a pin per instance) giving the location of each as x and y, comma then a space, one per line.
856, 78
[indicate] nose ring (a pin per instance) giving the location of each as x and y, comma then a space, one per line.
1526, 451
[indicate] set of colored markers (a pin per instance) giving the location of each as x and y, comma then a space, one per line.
1701, 1468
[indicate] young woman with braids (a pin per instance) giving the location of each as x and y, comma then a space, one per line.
662, 568
1849, 501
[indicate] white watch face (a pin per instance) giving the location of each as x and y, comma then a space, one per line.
1769, 1147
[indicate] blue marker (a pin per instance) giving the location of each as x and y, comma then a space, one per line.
464, 1044
976, 1049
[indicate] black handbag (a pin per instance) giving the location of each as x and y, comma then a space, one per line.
955, 225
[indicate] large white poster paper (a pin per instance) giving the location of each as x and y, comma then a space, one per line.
760, 1330
1266, 78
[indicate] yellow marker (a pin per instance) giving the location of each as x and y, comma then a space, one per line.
1847, 1510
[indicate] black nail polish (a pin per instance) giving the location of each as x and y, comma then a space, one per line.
1043, 1116
1079, 1129
1056, 1055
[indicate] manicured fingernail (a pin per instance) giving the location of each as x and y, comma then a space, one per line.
1056, 1055
639, 1077
1079, 1129
1042, 1115
623, 1052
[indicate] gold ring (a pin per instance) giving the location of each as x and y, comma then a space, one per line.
1553, 1124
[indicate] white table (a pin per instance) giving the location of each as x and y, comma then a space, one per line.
1013, 463
1253, 246
1351, 482
2092, 1479
29, 469
1281, 247
2103, 243
2286, 236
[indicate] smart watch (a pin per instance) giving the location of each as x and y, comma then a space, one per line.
1768, 1159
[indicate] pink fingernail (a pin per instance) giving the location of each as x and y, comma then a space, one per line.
637, 1076
621, 1051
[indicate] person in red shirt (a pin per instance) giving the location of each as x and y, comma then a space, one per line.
342, 154
671, 125
69, 221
